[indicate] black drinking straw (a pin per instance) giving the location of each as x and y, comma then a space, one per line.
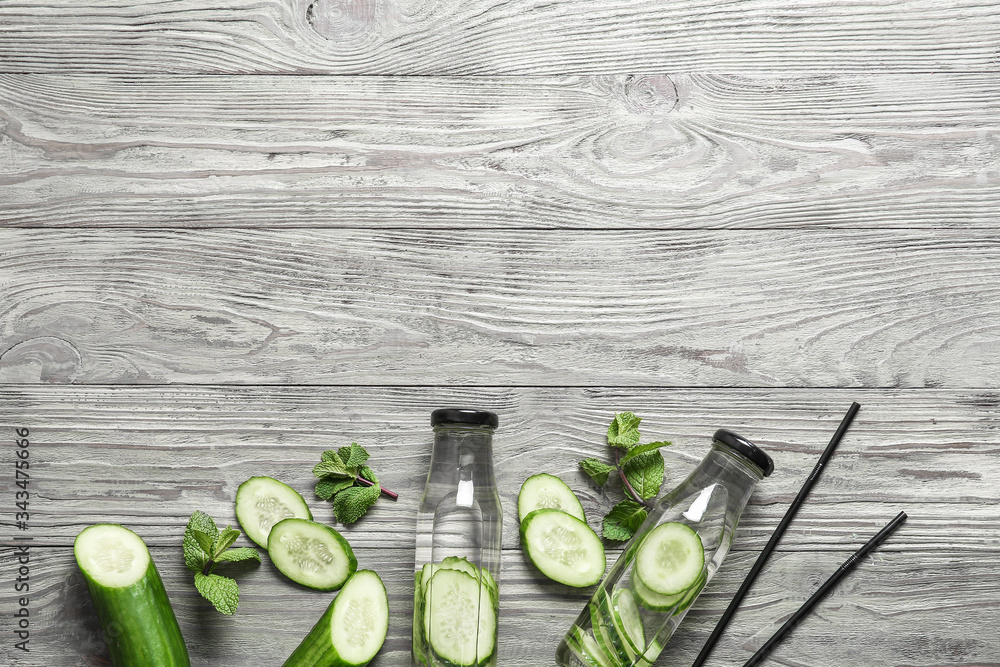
778, 532
841, 572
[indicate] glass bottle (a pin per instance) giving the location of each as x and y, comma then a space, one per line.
459, 523
626, 624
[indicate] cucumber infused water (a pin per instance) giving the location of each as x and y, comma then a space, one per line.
665, 566
456, 598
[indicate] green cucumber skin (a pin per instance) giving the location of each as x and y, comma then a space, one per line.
138, 623
317, 649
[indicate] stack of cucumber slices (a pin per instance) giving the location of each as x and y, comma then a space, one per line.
455, 614
555, 534
666, 576
669, 569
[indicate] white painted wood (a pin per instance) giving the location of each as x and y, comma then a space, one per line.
620, 151
492, 36
753, 308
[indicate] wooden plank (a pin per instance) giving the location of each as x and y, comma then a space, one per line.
491, 36
753, 308
148, 457
625, 151
890, 610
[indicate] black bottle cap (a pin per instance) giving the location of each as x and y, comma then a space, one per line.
464, 416
755, 454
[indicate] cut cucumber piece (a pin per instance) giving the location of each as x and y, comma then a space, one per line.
563, 548
460, 619
311, 554
651, 599
603, 630
351, 631
544, 491
593, 651
132, 605
262, 502
462, 565
419, 655
670, 558
628, 622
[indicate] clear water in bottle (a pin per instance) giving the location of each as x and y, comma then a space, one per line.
457, 566
665, 566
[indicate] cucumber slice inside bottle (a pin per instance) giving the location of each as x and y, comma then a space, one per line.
351, 631
595, 653
311, 554
628, 622
262, 502
603, 629
563, 547
544, 491
459, 618
128, 595
670, 559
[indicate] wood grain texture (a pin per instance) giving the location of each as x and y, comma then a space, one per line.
496, 36
754, 308
919, 610
150, 456
621, 151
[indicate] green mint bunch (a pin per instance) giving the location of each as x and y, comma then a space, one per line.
348, 482
205, 546
640, 470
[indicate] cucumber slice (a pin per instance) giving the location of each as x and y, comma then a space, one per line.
593, 651
670, 558
262, 502
419, 655
651, 599
132, 605
628, 622
544, 491
604, 632
691, 594
460, 619
462, 565
563, 548
351, 631
311, 554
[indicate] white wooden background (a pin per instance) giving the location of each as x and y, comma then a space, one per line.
234, 234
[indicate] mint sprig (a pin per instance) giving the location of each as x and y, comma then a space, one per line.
205, 546
641, 471
345, 480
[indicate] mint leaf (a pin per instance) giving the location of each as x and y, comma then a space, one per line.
597, 470
224, 541
624, 430
222, 592
642, 449
327, 487
333, 468
330, 455
368, 474
238, 554
645, 474
196, 557
351, 504
204, 541
623, 520
353, 456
